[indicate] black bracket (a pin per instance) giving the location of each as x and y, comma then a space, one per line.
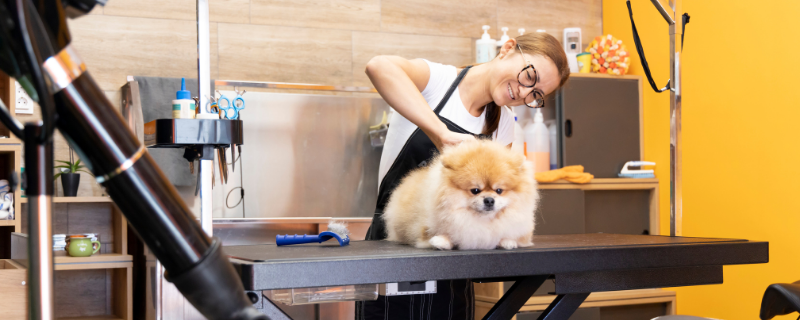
266, 306
563, 306
515, 298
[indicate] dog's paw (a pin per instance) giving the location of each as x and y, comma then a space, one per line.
508, 244
441, 243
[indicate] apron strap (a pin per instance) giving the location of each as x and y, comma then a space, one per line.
450, 90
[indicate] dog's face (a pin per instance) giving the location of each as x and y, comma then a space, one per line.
484, 175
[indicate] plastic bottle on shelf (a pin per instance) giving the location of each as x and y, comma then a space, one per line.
485, 47
553, 145
183, 106
504, 38
537, 143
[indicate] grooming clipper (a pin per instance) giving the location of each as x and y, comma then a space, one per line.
336, 230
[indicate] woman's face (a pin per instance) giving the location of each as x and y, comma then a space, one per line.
506, 90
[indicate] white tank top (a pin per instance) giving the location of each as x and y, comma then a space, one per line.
442, 76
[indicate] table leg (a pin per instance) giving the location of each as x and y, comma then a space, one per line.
563, 306
515, 298
267, 307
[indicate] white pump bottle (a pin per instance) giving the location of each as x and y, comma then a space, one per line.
485, 47
537, 143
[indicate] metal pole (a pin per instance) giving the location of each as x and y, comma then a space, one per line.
675, 152
39, 162
204, 90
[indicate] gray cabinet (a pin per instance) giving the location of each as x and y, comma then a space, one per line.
572, 211
600, 123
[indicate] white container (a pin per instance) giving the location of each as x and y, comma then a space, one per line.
537, 143
485, 47
183, 106
553, 145
503, 39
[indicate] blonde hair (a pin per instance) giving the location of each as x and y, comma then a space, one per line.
535, 43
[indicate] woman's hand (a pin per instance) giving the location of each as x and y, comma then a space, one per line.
449, 138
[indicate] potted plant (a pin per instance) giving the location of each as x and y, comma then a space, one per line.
69, 173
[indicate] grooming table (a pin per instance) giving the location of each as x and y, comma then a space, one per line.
580, 264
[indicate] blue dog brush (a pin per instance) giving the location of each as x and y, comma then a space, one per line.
336, 230
638, 174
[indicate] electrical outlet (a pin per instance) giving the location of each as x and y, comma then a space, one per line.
24, 103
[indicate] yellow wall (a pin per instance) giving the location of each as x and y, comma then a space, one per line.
741, 154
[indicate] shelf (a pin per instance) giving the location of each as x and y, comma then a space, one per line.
4, 223
97, 261
604, 184
603, 75
103, 317
75, 200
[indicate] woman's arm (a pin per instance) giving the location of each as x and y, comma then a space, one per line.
400, 83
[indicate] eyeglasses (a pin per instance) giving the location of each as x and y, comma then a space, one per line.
528, 78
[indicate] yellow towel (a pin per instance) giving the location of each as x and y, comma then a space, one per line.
572, 174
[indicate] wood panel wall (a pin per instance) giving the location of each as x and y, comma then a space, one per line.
309, 41
305, 41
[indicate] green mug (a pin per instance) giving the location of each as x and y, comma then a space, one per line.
82, 247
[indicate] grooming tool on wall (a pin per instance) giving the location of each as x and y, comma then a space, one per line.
231, 109
223, 164
216, 104
336, 230
639, 174
238, 105
572, 46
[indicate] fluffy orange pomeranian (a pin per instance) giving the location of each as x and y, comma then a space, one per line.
476, 195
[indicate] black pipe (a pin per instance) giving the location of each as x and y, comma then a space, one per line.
148, 200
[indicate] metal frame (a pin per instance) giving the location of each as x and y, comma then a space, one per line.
675, 134
39, 161
204, 91
671, 15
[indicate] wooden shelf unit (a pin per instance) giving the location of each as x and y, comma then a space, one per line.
77, 200
108, 273
97, 261
10, 147
604, 184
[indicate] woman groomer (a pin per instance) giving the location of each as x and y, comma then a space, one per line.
439, 105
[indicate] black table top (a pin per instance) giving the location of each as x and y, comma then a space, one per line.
265, 267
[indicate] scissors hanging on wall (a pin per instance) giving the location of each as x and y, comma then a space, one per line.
231, 109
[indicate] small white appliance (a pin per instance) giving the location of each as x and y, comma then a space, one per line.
572, 46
